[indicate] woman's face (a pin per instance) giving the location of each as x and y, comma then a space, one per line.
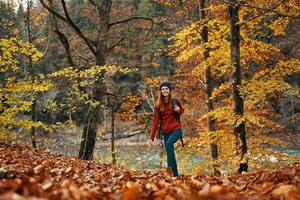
165, 91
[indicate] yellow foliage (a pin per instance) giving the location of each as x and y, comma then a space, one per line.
10, 48
267, 66
221, 89
17, 94
270, 81
78, 82
279, 26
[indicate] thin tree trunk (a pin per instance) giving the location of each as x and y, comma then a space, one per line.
113, 155
208, 88
239, 129
32, 136
33, 106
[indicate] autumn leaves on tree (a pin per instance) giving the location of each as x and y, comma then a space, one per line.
231, 53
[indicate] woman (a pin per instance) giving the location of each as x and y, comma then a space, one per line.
170, 126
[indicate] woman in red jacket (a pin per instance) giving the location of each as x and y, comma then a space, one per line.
170, 126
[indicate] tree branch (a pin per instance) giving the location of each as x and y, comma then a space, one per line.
46, 49
85, 59
264, 9
276, 6
69, 22
130, 19
52, 11
110, 94
93, 3
77, 30
147, 99
62, 38
127, 20
115, 44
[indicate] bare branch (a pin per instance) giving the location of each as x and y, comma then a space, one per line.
264, 9
84, 58
46, 49
52, 11
69, 22
147, 99
93, 3
130, 19
115, 44
111, 94
77, 30
152, 98
62, 38
120, 40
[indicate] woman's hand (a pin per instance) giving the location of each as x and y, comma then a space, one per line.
176, 108
152, 142
150, 139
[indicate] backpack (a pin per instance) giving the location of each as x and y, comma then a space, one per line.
159, 135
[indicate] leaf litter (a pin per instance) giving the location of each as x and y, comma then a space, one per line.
36, 174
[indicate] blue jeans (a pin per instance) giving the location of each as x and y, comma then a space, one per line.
170, 139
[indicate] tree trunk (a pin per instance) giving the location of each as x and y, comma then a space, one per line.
113, 155
89, 134
31, 69
239, 127
32, 136
208, 88
94, 116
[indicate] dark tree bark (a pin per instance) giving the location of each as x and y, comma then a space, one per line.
94, 117
62, 37
113, 155
208, 87
239, 129
33, 106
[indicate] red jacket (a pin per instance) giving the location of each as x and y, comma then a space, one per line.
169, 122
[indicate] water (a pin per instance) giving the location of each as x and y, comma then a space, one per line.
135, 157
142, 157
145, 157
293, 152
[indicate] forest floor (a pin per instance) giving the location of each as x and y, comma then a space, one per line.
33, 174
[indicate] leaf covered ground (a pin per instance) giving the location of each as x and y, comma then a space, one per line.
27, 173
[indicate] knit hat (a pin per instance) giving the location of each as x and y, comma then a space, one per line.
166, 84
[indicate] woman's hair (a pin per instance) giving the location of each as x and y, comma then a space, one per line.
160, 101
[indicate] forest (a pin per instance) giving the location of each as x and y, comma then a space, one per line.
80, 81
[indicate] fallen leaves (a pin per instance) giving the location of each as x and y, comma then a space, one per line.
27, 173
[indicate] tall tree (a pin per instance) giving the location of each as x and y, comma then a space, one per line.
30, 40
27, 25
208, 88
99, 48
239, 126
